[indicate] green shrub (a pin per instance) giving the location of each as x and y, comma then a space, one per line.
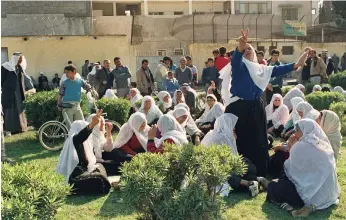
180, 183
340, 109
322, 100
30, 192
338, 79
286, 89
116, 109
41, 107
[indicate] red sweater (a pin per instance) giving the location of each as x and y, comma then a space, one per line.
153, 149
131, 145
221, 62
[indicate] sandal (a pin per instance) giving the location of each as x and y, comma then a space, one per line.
304, 212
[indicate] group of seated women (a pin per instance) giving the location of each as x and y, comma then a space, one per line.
304, 167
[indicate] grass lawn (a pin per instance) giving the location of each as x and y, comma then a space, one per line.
26, 148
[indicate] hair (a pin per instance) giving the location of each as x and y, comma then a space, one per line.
145, 61
216, 51
71, 68
188, 57
260, 52
275, 51
57, 74
210, 59
167, 58
325, 89
86, 61
182, 58
170, 72
133, 84
116, 58
223, 50
105, 61
69, 62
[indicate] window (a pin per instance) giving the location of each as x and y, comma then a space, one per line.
178, 13
217, 12
162, 52
156, 13
179, 52
287, 50
252, 7
290, 14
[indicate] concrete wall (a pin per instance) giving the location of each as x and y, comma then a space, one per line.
27, 18
50, 54
112, 25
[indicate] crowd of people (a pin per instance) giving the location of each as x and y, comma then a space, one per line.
302, 169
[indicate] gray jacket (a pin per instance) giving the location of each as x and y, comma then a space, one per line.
122, 76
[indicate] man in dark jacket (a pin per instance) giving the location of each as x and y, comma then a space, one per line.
102, 78
42, 82
275, 83
307, 67
328, 61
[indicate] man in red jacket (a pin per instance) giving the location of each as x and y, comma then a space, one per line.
222, 60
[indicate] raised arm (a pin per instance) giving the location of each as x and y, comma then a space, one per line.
283, 69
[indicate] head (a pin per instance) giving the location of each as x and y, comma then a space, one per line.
20, 59
216, 53
170, 75
168, 123
69, 62
277, 99
249, 52
260, 56
138, 121
70, 71
179, 95
210, 62
87, 62
101, 125
275, 55
147, 103
298, 133
188, 60
180, 114
211, 100
295, 101
223, 51
98, 66
319, 118
212, 84
316, 88
301, 87
167, 61
183, 61
133, 93
306, 127
166, 98
325, 89
145, 64
117, 61
303, 108
107, 64
324, 53
41, 74
56, 75
313, 53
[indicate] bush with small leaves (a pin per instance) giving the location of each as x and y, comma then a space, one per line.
338, 79
322, 100
286, 89
180, 183
117, 109
30, 192
340, 109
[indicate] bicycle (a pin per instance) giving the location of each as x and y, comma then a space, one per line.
52, 134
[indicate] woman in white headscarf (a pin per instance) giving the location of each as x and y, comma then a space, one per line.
189, 124
293, 118
310, 178
316, 88
171, 132
277, 115
178, 97
77, 161
165, 102
212, 111
297, 91
340, 90
303, 108
135, 96
110, 94
223, 134
246, 81
150, 110
330, 124
312, 114
132, 138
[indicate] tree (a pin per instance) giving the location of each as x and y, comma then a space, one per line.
339, 8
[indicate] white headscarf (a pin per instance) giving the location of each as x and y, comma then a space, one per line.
316, 88
312, 114
295, 92
300, 86
110, 94
68, 159
97, 137
311, 167
135, 98
211, 114
294, 114
170, 128
280, 115
176, 95
330, 124
222, 133
12, 63
93, 71
260, 75
304, 107
340, 90
132, 127
191, 127
161, 96
153, 113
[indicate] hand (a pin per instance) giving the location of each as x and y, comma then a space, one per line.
278, 148
152, 132
104, 82
96, 119
109, 127
291, 141
197, 140
270, 130
243, 39
301, 61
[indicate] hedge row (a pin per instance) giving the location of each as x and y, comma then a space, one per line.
323, 100
338, 79
340, 109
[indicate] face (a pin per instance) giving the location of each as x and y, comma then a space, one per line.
311, 53
210, 63
170, 75
166, 99
167, 62
87, 62
275, 57
248, 52
182, 62
107, 64
70, 74
260, 57
102, 125
56, 76
216, 55
277, 102
300, 113
210, 102
324, 54
298, 134
142, 127
188, 62
145, 65
212, 83
182, 119
133, 93
20, 59
319, 119
147, 104
179, 95
118, 62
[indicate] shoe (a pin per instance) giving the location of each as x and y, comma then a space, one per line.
287, 207
253, 189
263, 182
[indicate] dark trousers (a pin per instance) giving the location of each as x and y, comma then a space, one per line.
251, 130
269, 94
250, 175
277, 131
276, 164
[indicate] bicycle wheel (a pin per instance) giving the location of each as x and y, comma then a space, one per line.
52, 135
116, 127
